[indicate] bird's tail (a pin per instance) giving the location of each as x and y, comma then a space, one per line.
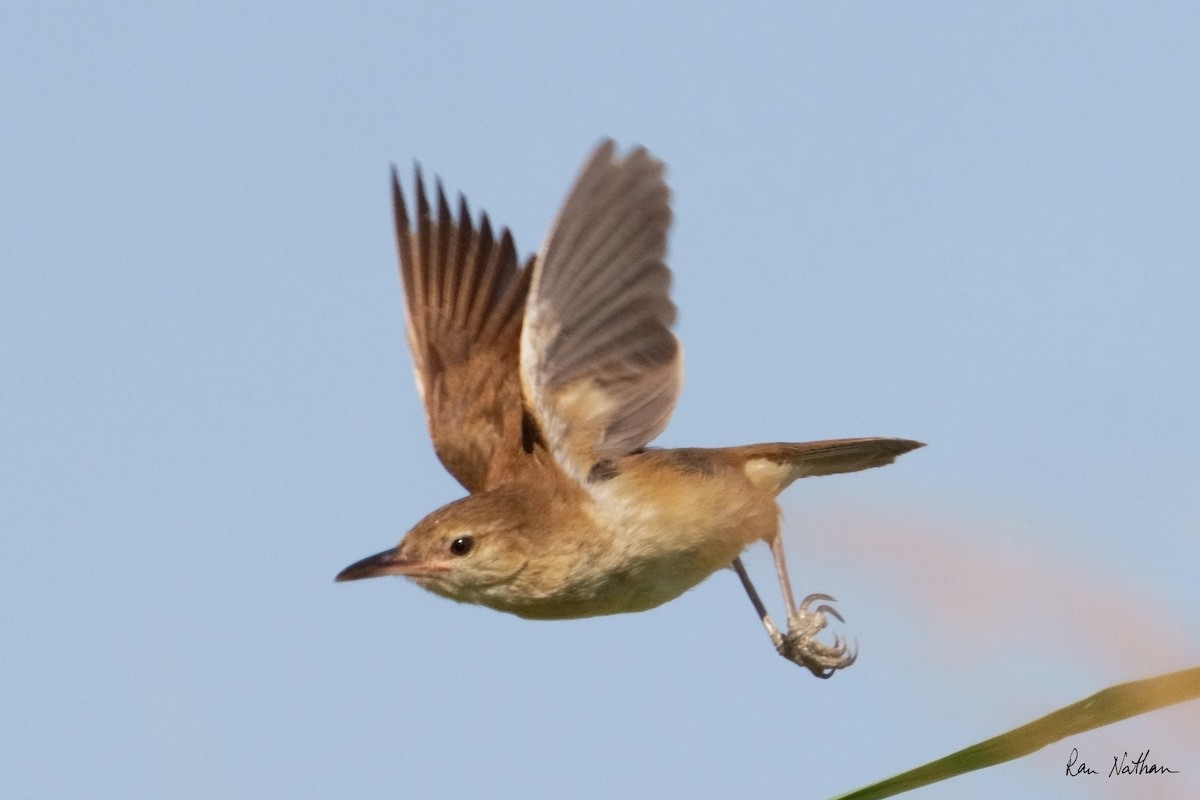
774, 466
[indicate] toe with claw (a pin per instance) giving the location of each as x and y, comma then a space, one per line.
800, 645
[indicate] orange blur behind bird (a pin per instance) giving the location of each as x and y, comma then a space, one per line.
544, 382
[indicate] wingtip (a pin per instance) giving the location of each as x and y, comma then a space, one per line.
606, 151
418, 180
397, 191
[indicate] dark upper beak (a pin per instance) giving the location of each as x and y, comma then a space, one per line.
389, 562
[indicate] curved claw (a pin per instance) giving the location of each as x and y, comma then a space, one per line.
812, 598
830, 610
800, 646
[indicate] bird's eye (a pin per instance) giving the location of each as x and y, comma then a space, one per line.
462, 545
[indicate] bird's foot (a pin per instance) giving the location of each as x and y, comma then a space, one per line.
799, 645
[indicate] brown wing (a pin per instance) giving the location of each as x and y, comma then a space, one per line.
599, 364
465, 294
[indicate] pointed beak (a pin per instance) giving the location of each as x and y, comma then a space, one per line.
389, 562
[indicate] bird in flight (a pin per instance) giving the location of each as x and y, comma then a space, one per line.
545, 382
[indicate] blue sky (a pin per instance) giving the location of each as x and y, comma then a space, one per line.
972, 226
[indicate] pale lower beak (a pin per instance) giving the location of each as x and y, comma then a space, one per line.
389, 562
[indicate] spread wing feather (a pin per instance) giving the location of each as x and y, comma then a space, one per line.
600, 367
465, 292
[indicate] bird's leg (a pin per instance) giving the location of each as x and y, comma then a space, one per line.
804, 623
772, 631
799, 645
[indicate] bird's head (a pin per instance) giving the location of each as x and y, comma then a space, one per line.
468, 550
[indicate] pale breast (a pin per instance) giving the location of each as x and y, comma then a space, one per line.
673, 528
645, 532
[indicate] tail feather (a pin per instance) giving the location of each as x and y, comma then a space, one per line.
775, 466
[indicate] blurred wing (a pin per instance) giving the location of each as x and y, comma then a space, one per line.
465, 294
599, 364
